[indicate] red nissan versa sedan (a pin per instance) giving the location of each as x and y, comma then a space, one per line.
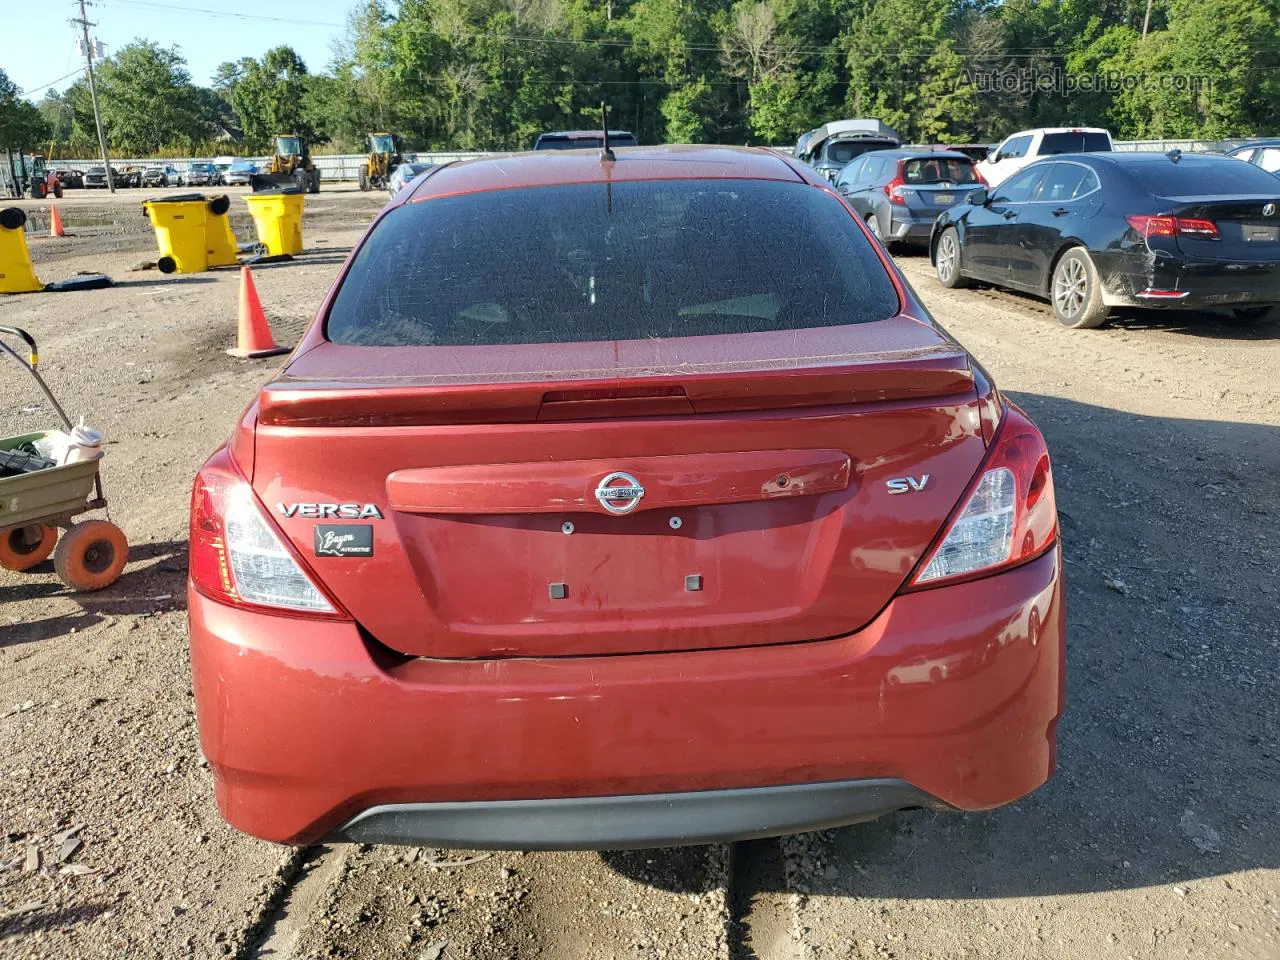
618, 503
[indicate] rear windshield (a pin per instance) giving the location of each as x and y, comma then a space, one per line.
1074, 143
939, 170
1200, 176
631, 261
842, 151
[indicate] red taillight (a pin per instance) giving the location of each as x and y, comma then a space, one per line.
893, 189
1190, 226
1007, 516
1165, 226
237, 555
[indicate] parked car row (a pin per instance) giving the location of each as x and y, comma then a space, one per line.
1058, 213
1106, 230
202, 174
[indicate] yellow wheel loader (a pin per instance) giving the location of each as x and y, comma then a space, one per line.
384, 156
290, 166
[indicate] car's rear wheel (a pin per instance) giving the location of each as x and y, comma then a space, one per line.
873, 224
1076, 292
946, 260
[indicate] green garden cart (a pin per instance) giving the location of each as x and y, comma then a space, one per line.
39, 498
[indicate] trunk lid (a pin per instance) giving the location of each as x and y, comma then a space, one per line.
1245, 231
763, 458
927, 200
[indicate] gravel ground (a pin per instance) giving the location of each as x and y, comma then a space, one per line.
1156, 838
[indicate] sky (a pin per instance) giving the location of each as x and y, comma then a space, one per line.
38, 47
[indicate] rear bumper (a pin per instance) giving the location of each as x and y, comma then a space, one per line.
949, 698
638, 820
1142, 279
911, 228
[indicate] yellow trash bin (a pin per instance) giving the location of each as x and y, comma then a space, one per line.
179, 223
278, 217
220, 242
16, 272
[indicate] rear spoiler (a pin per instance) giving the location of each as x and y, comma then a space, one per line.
427, 400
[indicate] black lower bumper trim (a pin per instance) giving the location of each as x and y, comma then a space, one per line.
635, 821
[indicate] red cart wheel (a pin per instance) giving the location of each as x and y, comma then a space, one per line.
91, 555
23, 547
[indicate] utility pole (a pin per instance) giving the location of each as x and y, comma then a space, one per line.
93, 93
1146, 21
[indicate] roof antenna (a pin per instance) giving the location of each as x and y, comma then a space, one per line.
605, 153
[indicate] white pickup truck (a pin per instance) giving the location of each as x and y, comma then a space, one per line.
1027, 146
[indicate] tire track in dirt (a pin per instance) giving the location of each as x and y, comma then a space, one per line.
389, 903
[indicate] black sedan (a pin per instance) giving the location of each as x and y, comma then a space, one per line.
901, 192
1103, 230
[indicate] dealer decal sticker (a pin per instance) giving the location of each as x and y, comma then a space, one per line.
344, 540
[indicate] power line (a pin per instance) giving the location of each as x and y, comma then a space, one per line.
31, 90
231, 15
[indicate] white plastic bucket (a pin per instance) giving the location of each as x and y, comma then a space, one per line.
86, 444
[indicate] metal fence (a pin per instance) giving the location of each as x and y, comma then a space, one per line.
346, 166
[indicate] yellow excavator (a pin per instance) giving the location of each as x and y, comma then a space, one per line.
384, 156
290, 166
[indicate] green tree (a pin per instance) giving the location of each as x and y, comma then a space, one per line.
676, 44
58, 115
21, 125
1214, 72
904, 69
146, 99
777, 108
267, 96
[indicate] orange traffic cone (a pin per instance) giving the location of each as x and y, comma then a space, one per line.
254, 339
55, 223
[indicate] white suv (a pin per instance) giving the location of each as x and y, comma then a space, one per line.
1029, 145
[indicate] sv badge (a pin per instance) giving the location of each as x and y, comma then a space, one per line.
907, 484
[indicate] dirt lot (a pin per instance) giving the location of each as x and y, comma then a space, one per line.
1156, 838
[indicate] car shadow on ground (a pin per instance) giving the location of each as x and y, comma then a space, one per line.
1169, 750
1206, 324
1209, 324
153, 582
